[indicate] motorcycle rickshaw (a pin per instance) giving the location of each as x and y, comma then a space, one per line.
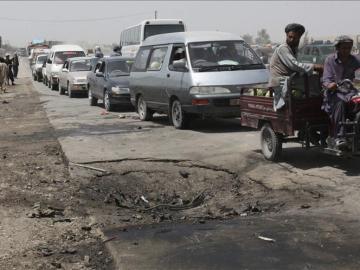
300, 120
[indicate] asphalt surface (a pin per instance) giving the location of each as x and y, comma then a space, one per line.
321, 235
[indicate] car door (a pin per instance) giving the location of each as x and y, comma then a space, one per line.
100, 81
92, 78
156, 76
177, 79
63, 74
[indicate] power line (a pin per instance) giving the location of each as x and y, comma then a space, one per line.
72, 20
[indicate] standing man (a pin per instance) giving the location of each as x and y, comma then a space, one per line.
8, 62
283, 63
338, 66
15, 61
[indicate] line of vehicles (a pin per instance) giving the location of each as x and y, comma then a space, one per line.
189, 75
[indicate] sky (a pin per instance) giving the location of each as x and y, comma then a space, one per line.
102, 22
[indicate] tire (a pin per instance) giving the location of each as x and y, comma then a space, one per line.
145, 114
34, 78
177, 116
107, 101
49, 84
70, 93
61, 90
92, 100
38, 79
55, 87
271, 143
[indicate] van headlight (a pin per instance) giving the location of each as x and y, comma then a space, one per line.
120, 90
208, 90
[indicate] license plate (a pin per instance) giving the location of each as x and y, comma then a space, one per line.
234, 102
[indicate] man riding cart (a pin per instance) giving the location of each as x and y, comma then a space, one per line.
291, 111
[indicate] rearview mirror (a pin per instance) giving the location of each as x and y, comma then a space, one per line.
49, 61
65, 70
99, 74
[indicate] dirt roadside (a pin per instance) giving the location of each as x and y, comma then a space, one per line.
43, 225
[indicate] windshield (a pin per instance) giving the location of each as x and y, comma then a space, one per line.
60, 57
214, 55
80, 65
157, 29
119, 68
41, 59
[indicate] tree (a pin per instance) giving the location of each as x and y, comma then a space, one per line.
248, 39
262, 37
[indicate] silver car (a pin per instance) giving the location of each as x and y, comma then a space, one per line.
193, 74
72, 77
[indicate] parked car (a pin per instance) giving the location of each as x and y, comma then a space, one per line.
72, 77
58, 55
193, 74
36, 68
315, 53
109, 81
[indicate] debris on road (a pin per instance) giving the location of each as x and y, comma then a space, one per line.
305, 206
267, 239
184, 174
49, 212
91, 168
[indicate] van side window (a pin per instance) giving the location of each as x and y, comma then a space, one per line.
97, 67
157, 58
141, 60
102, 67
178, 55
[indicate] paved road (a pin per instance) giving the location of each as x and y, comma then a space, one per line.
88, 135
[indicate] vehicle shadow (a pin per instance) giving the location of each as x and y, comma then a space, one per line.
208, 125
314, 158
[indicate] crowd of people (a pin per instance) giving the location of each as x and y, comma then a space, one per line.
12, 67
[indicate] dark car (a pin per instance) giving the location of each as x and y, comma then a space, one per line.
109, 81
315, 53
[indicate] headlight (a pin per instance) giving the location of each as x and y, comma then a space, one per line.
208, 90
120, 90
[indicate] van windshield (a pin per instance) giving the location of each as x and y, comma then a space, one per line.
223, 55
60, 57
157, 29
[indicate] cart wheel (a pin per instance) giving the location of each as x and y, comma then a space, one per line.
271, 144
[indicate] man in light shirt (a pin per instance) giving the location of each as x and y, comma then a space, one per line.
284, 62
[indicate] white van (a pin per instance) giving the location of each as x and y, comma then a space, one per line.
132, 38
57, 56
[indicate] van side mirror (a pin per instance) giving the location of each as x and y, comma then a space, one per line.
99, 74
179, 65
65, 70
49, 61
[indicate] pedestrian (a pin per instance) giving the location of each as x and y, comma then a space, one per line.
8, 62
284, 62
116, 51
338, 66
15, 61
3, 74
98, 52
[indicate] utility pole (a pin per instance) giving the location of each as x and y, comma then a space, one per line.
155, 14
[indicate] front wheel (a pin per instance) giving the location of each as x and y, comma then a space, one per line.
271, 144
70, 93
144, 112
92, 100
177, 116
107, 102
